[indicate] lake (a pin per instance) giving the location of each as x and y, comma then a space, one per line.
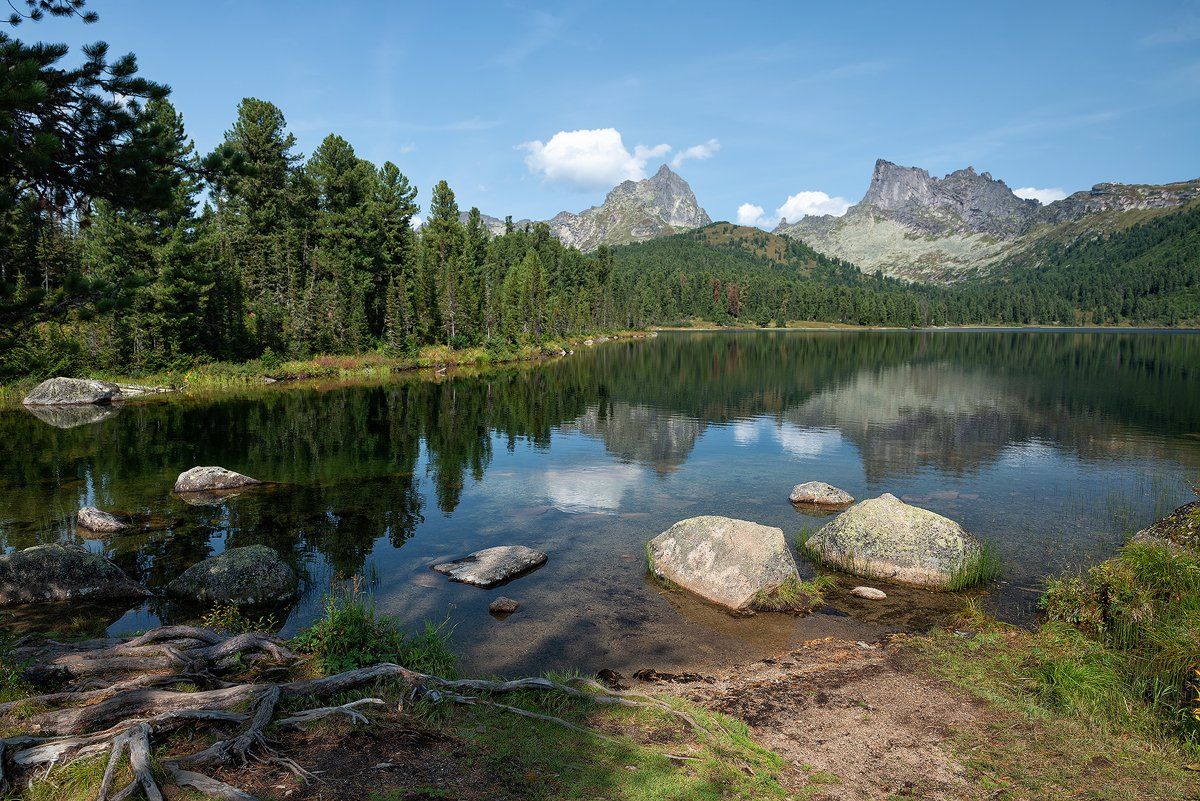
1052, 445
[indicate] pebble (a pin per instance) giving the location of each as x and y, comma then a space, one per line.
869, 592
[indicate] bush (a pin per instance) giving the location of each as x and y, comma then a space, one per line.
351, 635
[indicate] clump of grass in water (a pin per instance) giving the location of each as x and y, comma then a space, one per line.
981, 568
794, 595
230, 619
350, 634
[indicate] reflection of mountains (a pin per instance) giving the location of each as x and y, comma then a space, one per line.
634, 433
954, 419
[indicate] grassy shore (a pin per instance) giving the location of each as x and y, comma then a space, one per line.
218, 376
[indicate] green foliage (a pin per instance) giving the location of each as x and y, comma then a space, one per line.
794, 595
979, 569
351, 635
13, 684
229, 619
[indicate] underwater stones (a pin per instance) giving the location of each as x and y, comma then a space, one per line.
72, 392
726, 561
246, 576
888, 539
870, 593
491, 566
99, 521
62, 573
818, 493
211, 479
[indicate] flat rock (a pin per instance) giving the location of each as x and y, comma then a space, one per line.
491, 566
886, 538
1178, 530
819, 493
503, 606
72, 392
62, 573
246, 576
210, 479
869, 593
723, 560
94, 519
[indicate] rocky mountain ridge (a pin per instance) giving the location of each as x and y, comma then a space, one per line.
912, 225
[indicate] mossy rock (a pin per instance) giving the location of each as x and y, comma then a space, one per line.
1180, 529
62, 573
248, 576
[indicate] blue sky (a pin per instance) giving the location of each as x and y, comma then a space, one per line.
773, 99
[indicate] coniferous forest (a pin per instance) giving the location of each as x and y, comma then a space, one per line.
122, 249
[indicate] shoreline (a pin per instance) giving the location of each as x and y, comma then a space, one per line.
704, 327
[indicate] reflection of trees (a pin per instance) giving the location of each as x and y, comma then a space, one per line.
349, 458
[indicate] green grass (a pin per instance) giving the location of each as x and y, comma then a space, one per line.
350, 634
979, 569
794, 595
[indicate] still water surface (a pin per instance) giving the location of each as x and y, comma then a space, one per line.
1051, 445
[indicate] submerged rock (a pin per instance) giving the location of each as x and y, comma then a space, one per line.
72, 392
94, 519
725, 561
889, 539
62, 573
72, 416
491, 566
211, 479
503, 606
254, 574
870, 593
1180, 529
818, 493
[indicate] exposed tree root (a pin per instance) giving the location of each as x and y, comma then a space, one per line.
121, 697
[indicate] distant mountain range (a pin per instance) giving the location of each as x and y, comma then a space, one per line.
909, 225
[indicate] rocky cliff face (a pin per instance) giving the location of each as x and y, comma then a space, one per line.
634, 211
912, 225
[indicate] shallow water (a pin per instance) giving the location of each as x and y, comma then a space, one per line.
1051, 445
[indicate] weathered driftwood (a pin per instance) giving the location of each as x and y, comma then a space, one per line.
119, 697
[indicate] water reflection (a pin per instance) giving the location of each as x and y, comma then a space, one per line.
1050, 444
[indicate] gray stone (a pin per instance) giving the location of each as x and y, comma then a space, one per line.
491, 566
1178, 530
72, 416
62, 573
819, 493
254, 574
72, 392
503, 606
210, 479
888, 539
725, 561
94, 519
870, 593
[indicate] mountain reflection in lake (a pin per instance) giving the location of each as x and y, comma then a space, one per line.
1052, 445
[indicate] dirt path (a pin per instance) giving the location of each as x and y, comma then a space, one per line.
861, 722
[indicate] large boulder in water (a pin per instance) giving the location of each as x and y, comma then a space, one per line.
247, 576
886, 538
726, 561
489, 567
97, 520
211, 479
818, 493
62, 573
72, 392
1178, 530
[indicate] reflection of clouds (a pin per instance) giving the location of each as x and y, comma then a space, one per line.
590, 489
645, 434
745, 432
806, 442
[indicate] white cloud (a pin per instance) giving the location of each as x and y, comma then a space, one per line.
590, 489
745, 432
801, 204
1043, 196
806, 443
589, 159
750, 214
697, 152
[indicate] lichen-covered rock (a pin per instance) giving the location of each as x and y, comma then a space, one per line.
211, 479
888, 539
1180, 529
728, 562
72, 392
818, 493
491, 566
246, 576
62, 573
94, 519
